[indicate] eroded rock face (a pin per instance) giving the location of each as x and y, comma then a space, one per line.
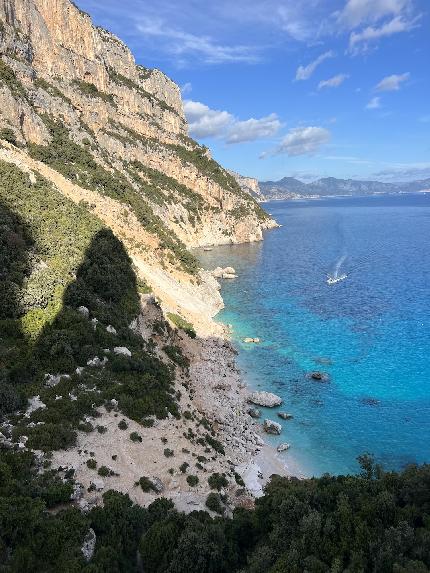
271, 427
88, 77
265, 399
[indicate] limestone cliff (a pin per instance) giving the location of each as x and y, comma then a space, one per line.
58, 69
249, 185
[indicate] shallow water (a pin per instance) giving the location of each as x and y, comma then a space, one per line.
369, 332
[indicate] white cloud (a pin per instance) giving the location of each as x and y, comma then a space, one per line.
206, 122
183, 44
305, 72
358, 12
252, 129
374, 103
405, 172
359, 41
392, 83
302, 141
186, 88
333, 82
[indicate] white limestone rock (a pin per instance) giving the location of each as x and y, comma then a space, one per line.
271, 427
122, 350
266, 399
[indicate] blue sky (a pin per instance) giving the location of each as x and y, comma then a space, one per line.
277, 88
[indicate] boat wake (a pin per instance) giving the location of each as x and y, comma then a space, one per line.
336, 277
334, 280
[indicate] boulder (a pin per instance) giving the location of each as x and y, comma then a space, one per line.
229, 276
52, 380
157, 484
283, 447
254, 412
84, 311
285, 416
319, 376
249, 340
97, 484
111, 329
89, 545
96, 362
122, 350
34, 404
265, 399
271, 427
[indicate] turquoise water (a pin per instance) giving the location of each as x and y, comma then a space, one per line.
370, 332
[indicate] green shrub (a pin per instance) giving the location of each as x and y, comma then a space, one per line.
217, 481
215, 444
135, 437
92, 464
101, 429
122, 425
103, 471
175, 354
184, 466
8, 78
192, 480
9, 135
213, 502
90, 90
168, 453
146, 484
239, 480
181, 323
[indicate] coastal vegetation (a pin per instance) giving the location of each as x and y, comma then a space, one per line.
69, 293
375, 521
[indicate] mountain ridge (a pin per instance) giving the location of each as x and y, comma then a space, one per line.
291, 188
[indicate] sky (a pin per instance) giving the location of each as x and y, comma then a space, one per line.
308, 89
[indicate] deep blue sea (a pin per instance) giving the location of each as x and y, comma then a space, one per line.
370, 333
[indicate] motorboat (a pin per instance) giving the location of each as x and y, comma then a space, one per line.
334, 280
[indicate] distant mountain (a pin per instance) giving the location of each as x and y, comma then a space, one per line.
291, 188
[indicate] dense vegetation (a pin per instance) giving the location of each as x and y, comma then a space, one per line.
55, 259
76, 163
374, 522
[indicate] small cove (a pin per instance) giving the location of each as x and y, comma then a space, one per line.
370, 333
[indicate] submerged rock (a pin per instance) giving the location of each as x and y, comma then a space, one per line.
283, 447
249, 340
319, 376
285, 416
271, 427
254, 412
265, 399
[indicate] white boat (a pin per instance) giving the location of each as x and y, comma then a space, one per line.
334, 280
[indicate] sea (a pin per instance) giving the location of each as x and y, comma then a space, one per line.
368, 333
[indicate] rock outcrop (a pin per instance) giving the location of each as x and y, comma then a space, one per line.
56, 65
265, 399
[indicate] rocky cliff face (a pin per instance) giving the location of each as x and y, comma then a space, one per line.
249, 185
58, 69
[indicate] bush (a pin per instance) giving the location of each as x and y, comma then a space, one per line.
183, 324
92, 464
184, 466
192, 480
213, 502
135, 437
146, 484
9, 135
217, 481
104, 471
122, 425
175, 354
239, 480
168, 453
